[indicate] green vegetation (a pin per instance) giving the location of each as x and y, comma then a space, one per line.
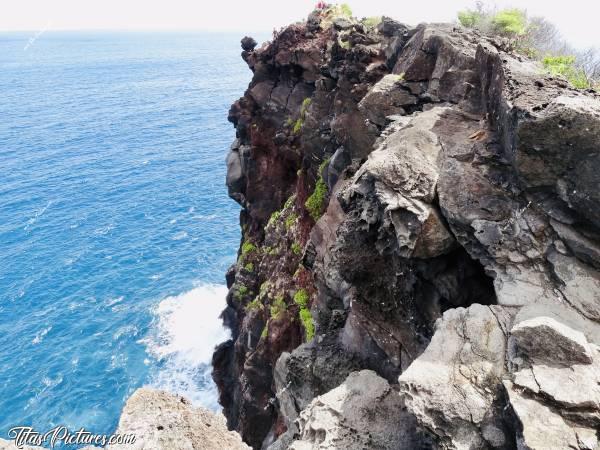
510, 22
345, 10
344, 44
248, 248
372, 22
469, 18
299, 123
265, 331
278, 307
254, 305
565, 66
539, 39
296, 248
290, 220
290, 201
308, 323
241, 292
249, 267
316, 202
301, 298
274, 218
264, 287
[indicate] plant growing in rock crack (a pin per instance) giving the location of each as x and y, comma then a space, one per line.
247, 249
241, 292
290, 221
255, 305
301, 298
315, 204
278, 307
299, 123
296, 248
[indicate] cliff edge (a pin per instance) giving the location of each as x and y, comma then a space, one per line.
420, 258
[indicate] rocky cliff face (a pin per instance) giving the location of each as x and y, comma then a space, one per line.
421, 244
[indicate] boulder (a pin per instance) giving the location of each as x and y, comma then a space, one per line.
387, 98
160, 420
452, 387
363, 412
545, 340
542, 429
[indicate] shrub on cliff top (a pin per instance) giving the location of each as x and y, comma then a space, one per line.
537, 38
565, 66
511, 22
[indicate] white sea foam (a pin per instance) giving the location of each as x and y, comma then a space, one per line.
181, 235
37, 215
186, 330
39, 337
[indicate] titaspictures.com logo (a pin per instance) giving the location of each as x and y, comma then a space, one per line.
23, 436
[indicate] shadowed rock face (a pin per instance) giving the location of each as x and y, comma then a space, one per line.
426, 203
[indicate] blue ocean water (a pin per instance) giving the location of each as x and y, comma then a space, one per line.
115, 225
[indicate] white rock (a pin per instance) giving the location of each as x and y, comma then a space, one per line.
542, 428
451, 387
165, 421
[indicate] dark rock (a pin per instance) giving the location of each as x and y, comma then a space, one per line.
461, 196
248, 43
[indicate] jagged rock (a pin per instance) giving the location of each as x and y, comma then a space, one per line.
387, 98
576, 386
390, 27
164, 421
402, 173
545, 340
363, 412
453, 387
580, 284
338, 162
583, 247
555, 154
543, 429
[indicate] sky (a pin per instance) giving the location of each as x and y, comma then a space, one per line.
577, 19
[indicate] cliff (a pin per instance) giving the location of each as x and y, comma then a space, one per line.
419, 266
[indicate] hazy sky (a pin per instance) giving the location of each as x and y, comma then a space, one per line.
577, 19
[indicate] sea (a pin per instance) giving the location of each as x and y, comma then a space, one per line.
115, 225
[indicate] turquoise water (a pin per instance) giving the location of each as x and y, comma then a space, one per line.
115, 226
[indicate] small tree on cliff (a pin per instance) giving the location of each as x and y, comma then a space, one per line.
537, 38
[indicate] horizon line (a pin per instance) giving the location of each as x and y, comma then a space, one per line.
135, 30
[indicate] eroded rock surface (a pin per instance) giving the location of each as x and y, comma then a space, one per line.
164, 421
421, 203
363, 412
